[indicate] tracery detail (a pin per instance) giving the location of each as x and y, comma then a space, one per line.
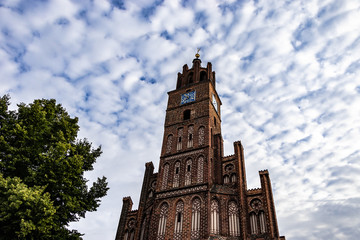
200, 169
176, 174
165, 176
190, 136
201, 135
179, 220
188, 173
214, 208
179, 142
169, 143
162, 222
195, 219
234, 224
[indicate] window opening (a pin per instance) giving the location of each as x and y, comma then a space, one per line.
187, 114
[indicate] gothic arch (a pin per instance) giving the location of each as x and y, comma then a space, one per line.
169, 141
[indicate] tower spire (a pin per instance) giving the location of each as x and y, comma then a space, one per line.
197, 55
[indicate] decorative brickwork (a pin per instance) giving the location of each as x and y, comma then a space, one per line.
199, 194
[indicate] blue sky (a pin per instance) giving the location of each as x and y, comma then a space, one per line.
287, 73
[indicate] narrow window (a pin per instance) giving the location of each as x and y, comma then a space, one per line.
233, 178
187, 114
195, 219
226, 179
169, 143
190, 136
190, 78
262, 222
214, 225
179, 142
165, 176
200, 169
132, 234
179, 220
162, 221
203, 76
126, 235
201, 135
142, 233
176, 175
253, 223
188, 172
234, 224
215, 121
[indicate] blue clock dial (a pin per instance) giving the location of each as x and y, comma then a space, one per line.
188, 97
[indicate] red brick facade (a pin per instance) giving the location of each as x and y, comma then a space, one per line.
198, 193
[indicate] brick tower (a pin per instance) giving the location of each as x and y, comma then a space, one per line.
198, 193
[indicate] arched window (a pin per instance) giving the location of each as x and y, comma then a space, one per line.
162, 221
200, 169
233, 177
262, 222
143, 226
169, 143
201, 135
203, 76
188, 172
195, 219
132, 234
214, 207
190, 78
179, 220
176, 174
190, 136
226, 179
126, 235
234, 224
165, 176
179, 141
253, 223
187, 114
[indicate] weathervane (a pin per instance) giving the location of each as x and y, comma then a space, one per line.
197, 55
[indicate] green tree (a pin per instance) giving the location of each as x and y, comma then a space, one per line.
39, 146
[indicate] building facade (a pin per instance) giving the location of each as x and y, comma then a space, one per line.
198, 192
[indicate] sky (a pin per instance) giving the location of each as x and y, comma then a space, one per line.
287, 73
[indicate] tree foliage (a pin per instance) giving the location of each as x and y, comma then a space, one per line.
41, 157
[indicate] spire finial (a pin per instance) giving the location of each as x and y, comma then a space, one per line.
197, 55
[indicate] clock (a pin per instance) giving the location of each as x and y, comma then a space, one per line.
188, 97
214, 102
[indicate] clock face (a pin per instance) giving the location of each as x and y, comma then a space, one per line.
188, 97
214, 102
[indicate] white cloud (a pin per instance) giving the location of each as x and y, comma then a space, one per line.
287, 74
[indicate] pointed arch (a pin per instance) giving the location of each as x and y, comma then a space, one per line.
201, 137
162, 221
200, 169
190, 142
169, 143
234, 224
195, 218
188, 171
179, 139
165, 176
253, 223
176, 174
214, 209
262, 222
179, 217
226, 179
